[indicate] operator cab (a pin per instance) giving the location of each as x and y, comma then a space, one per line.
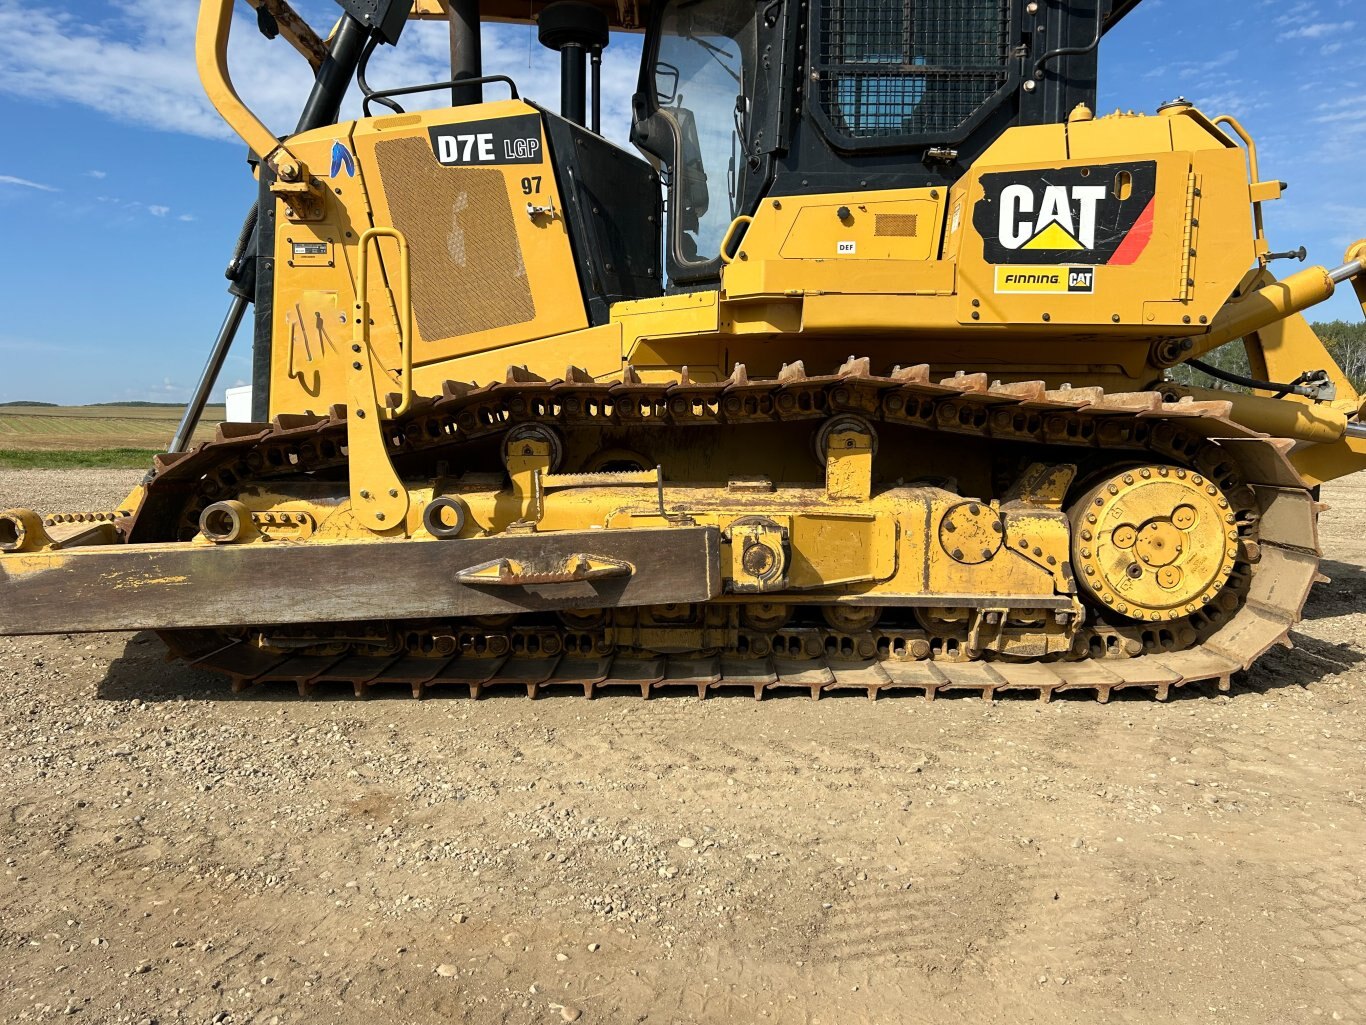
738, 101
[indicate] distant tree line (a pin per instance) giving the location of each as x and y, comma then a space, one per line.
1345, 342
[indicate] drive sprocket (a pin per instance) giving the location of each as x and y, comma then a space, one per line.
1154, 543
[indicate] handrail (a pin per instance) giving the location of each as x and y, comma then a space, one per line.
731, 236
1254, 177
382, 95
211, 59
1247, 140
360, 330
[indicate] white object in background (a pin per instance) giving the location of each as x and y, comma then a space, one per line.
239, 405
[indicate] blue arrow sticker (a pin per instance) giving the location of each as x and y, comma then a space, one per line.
341, 157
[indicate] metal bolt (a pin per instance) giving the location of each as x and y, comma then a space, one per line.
365, 494
393, 492
380, 517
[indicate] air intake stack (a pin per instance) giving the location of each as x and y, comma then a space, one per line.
576, 30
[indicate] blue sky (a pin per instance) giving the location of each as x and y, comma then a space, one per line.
121, 193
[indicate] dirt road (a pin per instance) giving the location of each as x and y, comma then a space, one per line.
173, 853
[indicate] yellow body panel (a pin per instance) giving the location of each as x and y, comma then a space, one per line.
481, 259
946, 276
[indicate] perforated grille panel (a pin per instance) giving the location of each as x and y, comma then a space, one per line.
897, 225
913, 67
467, 266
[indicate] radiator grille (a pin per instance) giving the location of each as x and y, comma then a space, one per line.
909, 67
468, 274
898, 225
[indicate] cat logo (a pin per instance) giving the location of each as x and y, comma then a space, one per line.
1096, 215
1064, 218
1046, 280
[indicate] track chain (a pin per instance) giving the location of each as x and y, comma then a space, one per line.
1277, 524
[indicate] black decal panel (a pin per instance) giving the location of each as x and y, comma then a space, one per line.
1095, 215
504, 140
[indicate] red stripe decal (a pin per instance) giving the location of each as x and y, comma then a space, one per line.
1137, 240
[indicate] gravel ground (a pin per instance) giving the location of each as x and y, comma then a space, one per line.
174, 853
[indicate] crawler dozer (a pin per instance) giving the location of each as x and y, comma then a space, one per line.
857, 375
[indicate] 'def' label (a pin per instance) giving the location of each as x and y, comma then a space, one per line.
504, 140
1020, 280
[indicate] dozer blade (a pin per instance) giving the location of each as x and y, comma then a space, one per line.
175, 586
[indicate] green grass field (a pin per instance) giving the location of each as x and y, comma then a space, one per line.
68, 459
91, 436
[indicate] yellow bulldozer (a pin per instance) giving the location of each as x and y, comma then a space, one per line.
855, 377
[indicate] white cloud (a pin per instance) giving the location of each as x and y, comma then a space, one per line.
187, 218
158, 211
137, 65
97, 174
1319, 29
24, 183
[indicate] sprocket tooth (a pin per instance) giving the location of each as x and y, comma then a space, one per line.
228, 431
629, 375
968, 384
521, 375
739, 376
860, 366
163, 461
1132, 401
1075, 397
918, 374
577, 375
1025, 391
790, 373
456, 389
296, 421
1187, 406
